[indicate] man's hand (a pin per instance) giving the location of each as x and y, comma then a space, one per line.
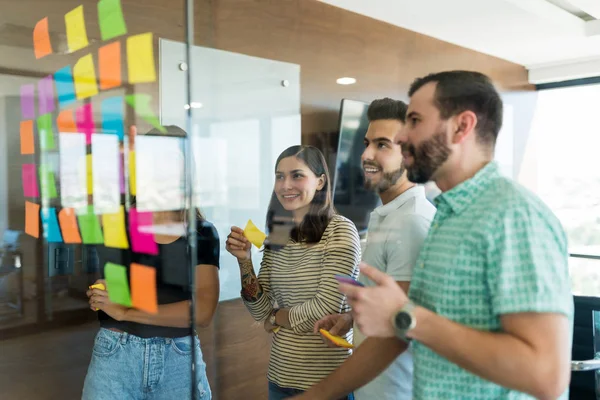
373, 308
336, 324
99, 300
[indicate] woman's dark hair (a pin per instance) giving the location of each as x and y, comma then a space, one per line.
321, 211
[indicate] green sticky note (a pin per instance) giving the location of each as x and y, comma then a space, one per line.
91, 233
47, 182
141, 104
116, 284
110, 17
45, 132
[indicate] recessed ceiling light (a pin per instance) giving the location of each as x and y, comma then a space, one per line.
346, 81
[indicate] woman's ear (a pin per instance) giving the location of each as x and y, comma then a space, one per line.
322, 181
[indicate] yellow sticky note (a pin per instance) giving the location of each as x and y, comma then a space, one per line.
254, 235
84, 74
114, 230
132, 182
140, 58
90, 176
76, 34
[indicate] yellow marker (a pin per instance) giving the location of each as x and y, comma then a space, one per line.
254, 235
337, 340
98, 286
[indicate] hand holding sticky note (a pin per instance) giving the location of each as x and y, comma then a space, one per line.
98, 286
337, 340
254, 235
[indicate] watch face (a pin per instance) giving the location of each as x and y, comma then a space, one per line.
403, 320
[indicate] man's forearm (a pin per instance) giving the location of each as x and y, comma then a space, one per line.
495, 356
371, 358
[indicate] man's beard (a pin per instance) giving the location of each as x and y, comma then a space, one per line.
427, 158
387, 180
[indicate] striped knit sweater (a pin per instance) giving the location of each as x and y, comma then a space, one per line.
301, 277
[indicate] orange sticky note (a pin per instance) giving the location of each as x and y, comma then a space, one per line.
27, 146
109, 60
66, 122
32, 219
41, 39
68, 225
143, 288
114, 230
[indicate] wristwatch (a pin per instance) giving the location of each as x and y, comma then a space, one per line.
404, 320
272, 318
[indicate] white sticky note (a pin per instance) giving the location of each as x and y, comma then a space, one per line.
105, 172
73, 176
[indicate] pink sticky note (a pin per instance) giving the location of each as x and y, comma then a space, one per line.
85, 121
30, 184
141, 242
46, 94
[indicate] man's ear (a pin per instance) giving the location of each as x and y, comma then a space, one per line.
465, 125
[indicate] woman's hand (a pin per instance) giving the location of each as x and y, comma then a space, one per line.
238, 245
99, 300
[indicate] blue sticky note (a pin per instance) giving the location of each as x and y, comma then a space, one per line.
65, 87
50, 224
112, 116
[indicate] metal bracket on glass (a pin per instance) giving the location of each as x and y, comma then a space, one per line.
587, 365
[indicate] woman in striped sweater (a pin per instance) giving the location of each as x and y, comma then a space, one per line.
307, 245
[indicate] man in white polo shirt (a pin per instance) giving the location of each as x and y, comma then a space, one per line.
395, 234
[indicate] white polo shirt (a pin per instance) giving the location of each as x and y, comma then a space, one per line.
395, 235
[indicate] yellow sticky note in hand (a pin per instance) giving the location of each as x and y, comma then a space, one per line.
254, 235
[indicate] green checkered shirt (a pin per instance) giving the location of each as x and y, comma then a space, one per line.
493, 248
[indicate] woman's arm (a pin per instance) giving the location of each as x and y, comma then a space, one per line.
175, 315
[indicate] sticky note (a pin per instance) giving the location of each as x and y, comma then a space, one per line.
84, 74
50, 224
254, 235
26, 133
110, 17
141, 240
143, 288
65, 87
114, 230
132, 177
141, 105
65, 122
121, 174
73, 171
105, 174
27, 101
76, 34
116, 284
46, 94
109, 65
140, 58
32, 219
84, 118
90, 173
91, 233
30, 185
47, 182
41, 39
112, 116
68, 225
45, 132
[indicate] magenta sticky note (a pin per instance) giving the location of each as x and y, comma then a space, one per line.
141, 240
27, 101
30, 184
85, 121
46, 95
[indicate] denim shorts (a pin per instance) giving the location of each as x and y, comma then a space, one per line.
125, 366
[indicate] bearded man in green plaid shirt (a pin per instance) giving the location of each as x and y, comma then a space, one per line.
490, 310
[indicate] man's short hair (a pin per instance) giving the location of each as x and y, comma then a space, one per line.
459, 91
387, 108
